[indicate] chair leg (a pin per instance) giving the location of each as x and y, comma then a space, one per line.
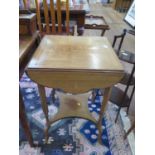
93, 95
103, 31
126, 89
117, 114
122, 101
53, 95
130, 129
130, 100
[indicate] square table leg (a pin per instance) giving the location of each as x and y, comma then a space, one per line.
45, 109
103, 108
99, 123
43, 101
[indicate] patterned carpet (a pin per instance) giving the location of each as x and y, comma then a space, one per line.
70, 136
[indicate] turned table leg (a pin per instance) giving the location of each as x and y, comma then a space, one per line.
103, 108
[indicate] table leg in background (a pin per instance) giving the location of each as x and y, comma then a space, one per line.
23, 120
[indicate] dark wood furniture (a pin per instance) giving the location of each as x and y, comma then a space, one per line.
119, 97
96, 23
122, 5
27, 46
60, 68
53, 22
27, 24
123, 54
77, 11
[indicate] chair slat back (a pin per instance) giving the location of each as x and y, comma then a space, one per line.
49, 11
46, 15
59, 16
67, 16
25, 4
52, 16
38, 16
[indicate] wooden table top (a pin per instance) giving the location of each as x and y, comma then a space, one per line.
71, 53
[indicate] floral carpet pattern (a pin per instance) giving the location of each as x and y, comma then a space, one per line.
70, 136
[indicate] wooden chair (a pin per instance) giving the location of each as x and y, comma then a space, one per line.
119, 97
123, 54
53, 26
52, 22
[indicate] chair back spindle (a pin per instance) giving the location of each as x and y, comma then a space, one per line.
67, 16
59, 16
25, 4
52, 25
38, 16
46, 15
52, 16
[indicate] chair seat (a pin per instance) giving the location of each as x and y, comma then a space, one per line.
125, 79
116, 97
127, 56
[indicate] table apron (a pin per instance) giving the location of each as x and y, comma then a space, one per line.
75, 82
